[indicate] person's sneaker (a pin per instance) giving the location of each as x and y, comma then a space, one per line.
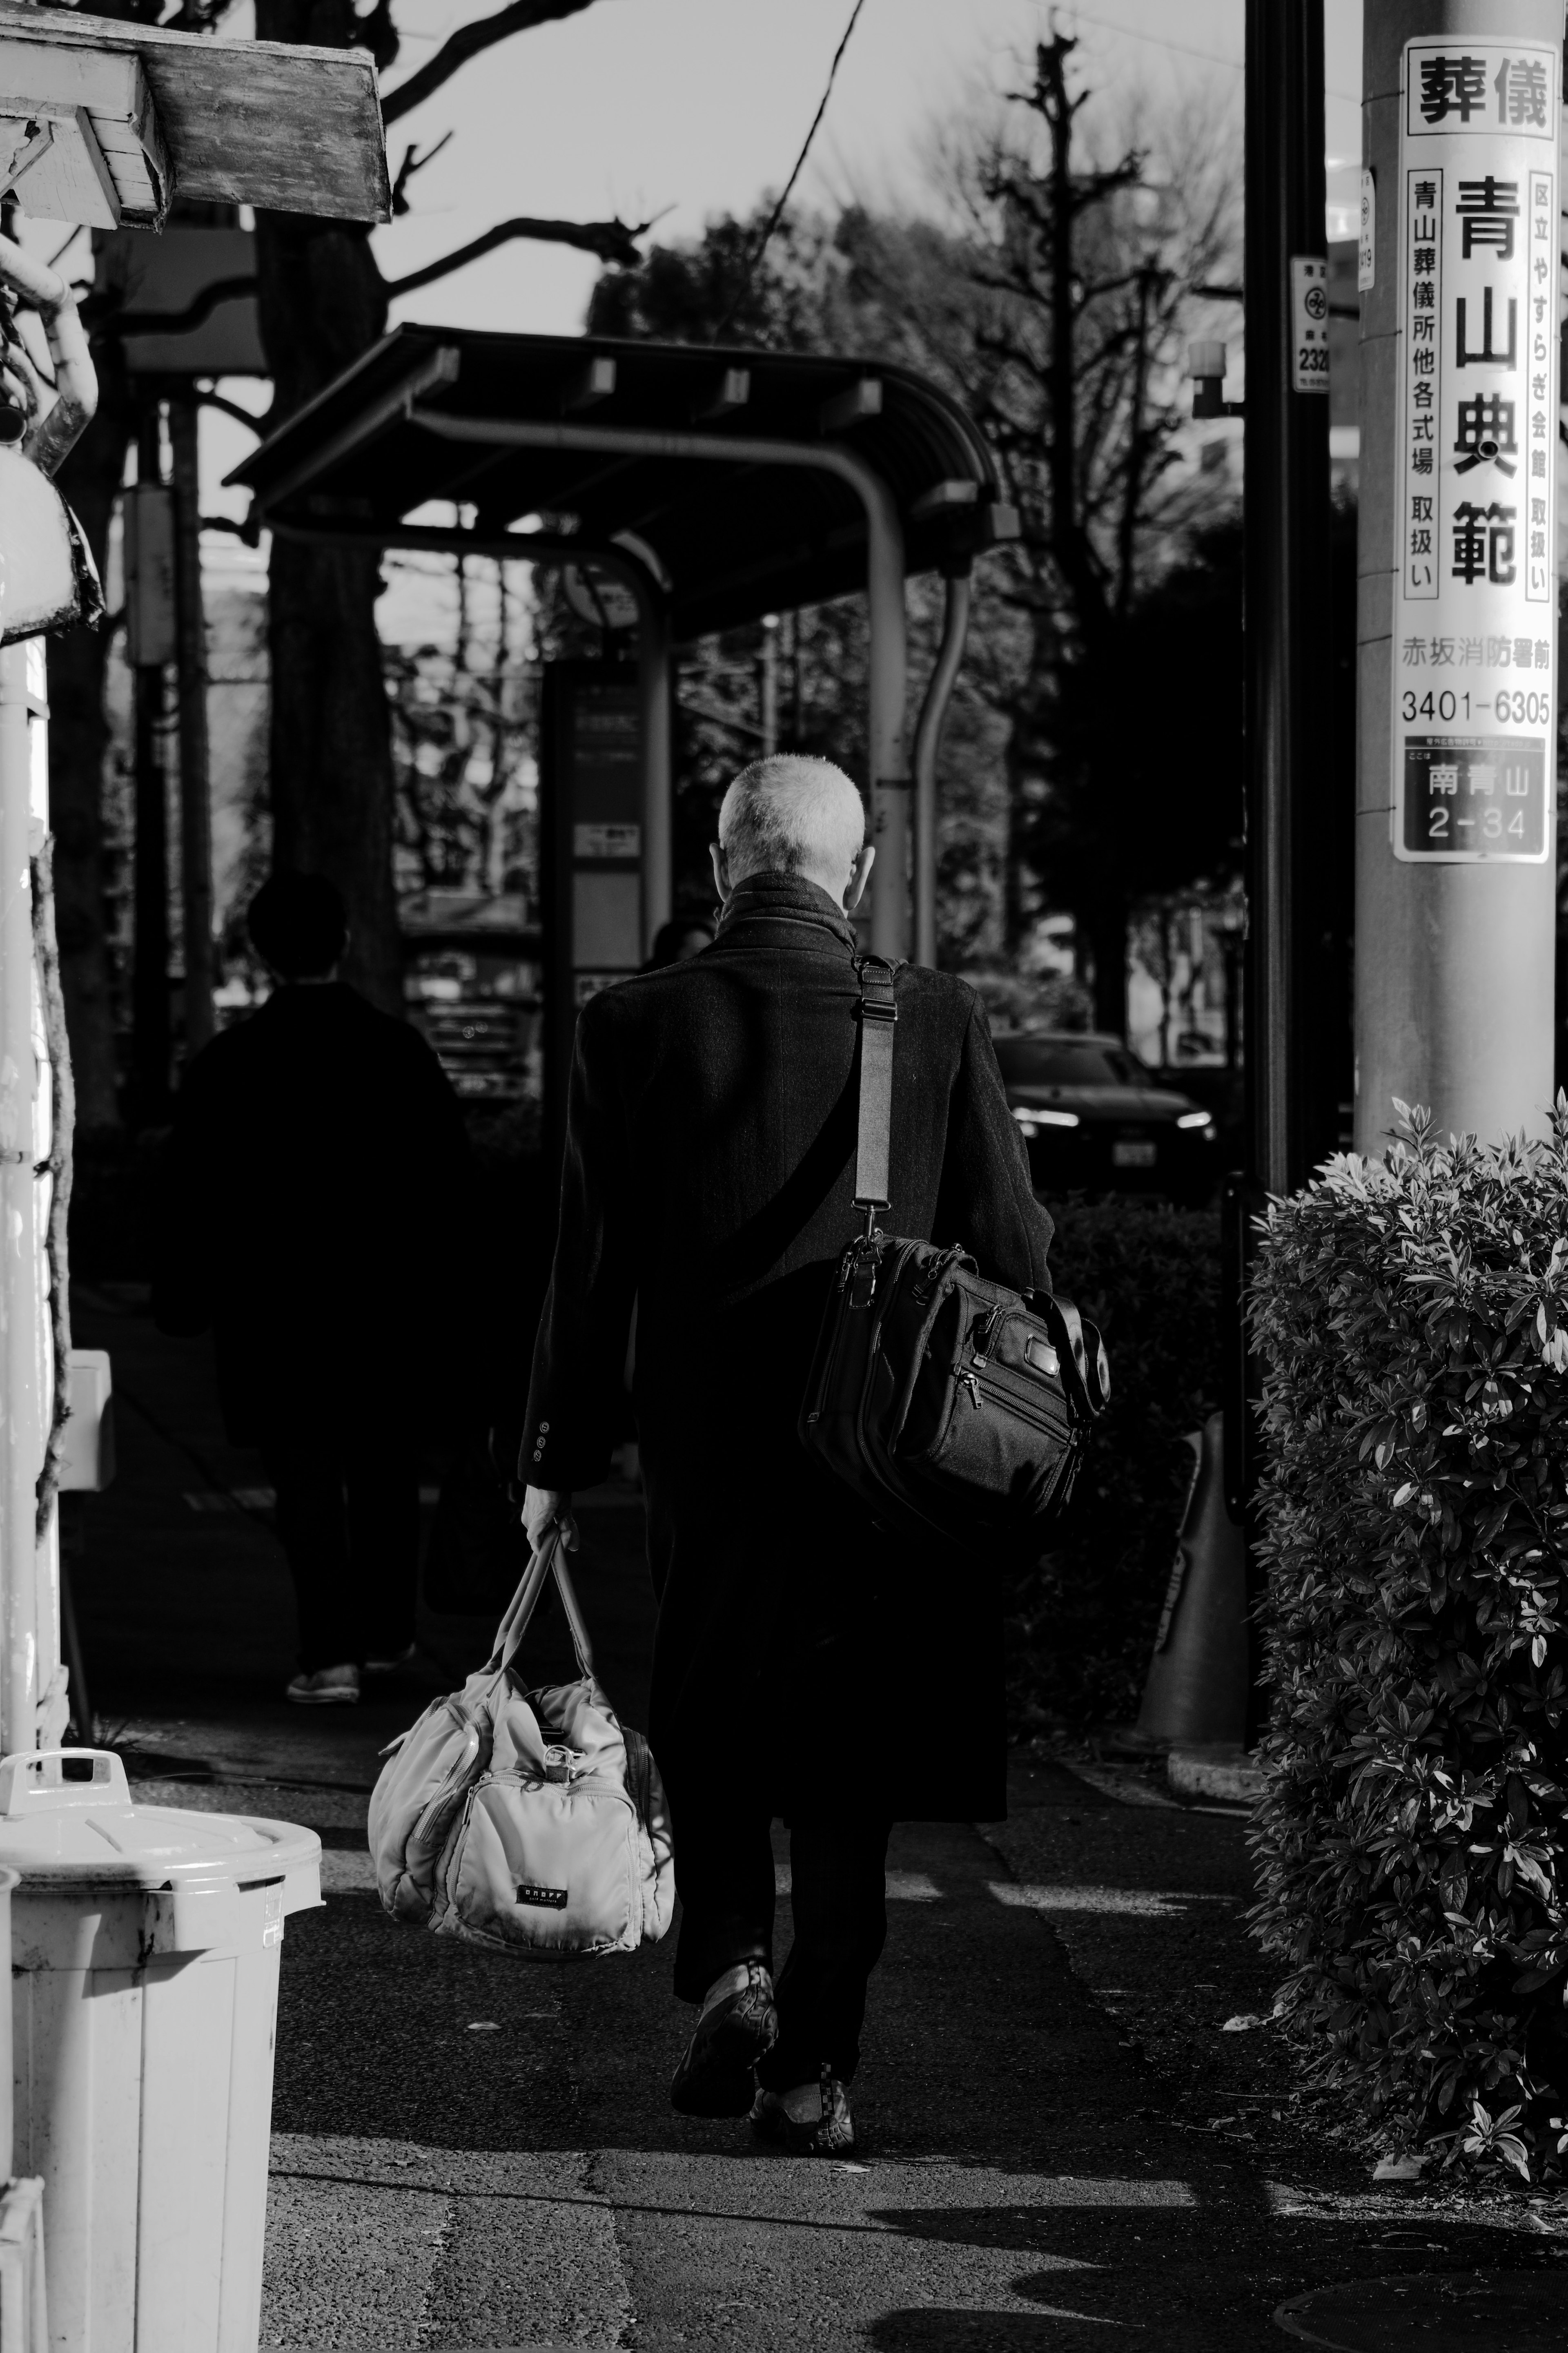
327, 1687
736, 2027
389, 1666
811, 2120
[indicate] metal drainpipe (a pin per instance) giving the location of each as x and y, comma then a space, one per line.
21, 1433
928, 742
884, 599
22, 1340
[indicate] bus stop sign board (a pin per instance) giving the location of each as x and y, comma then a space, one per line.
1475, 611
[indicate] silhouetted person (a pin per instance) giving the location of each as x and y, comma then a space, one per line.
682, 937
314, 1207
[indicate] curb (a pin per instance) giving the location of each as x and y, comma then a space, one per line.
1224, 1770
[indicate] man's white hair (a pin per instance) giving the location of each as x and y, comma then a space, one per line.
791, 814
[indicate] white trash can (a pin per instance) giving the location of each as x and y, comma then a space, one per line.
144, 1952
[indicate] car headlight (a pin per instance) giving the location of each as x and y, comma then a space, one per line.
1197, 1119
1030, 1115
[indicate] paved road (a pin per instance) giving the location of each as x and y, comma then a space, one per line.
473, 2153
1060, 2146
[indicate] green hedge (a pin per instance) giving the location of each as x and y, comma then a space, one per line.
1083, 1620
1412, 1315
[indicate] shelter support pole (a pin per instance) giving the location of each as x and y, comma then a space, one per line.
657, 799
21, 1342
196, 767
768, 686
1455, 956
888, 759
928, 742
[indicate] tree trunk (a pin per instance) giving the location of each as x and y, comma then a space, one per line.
90, 483
322, 302
331, 749
1104, 924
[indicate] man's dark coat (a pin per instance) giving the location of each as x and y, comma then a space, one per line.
801, 1653
312, 1214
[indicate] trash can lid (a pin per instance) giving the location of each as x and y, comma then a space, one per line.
66, 1815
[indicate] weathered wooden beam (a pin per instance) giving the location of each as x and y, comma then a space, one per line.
285, 127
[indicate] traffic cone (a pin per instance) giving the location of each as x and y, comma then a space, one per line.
1195, 1694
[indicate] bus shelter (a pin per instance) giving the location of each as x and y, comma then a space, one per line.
716, 485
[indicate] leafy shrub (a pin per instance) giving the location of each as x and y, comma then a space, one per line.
1082, 1620
1413, 1316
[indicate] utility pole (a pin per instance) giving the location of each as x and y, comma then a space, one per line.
1292, 1120
196, 766
1287, 583
151, 631
1456, 833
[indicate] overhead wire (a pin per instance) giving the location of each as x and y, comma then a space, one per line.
778, 210
1183, 49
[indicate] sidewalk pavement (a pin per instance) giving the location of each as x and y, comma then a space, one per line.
1067, 2137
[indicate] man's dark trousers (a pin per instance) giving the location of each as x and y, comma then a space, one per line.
724, 1869
348, 1518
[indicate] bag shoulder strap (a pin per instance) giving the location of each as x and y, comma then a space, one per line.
879, 1011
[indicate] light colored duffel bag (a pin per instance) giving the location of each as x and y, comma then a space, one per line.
530, 1822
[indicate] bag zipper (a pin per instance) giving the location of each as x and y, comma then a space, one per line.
459, 1776
1002, 1393
594, 1785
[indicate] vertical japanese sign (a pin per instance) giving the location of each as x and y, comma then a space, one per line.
1475, 609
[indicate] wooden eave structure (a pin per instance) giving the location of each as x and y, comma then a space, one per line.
160, 113
627, 443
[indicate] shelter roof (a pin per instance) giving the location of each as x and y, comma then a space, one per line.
607, 430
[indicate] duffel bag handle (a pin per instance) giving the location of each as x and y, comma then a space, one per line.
575, 1618
550, 1558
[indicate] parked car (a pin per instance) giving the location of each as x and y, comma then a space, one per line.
1095, 1120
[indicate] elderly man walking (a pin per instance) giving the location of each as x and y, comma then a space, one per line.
806, 1664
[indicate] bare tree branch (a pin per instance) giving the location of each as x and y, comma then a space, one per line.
610, 240
470, 41
103, 320
258, 424
413, 162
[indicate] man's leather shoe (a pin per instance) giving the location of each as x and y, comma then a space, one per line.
326, 1687
736, 2027
812, 2120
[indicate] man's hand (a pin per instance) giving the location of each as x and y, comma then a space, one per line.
544, 1510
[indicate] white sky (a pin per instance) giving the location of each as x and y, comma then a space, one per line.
700, 106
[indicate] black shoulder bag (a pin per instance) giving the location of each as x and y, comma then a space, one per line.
948, 1403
